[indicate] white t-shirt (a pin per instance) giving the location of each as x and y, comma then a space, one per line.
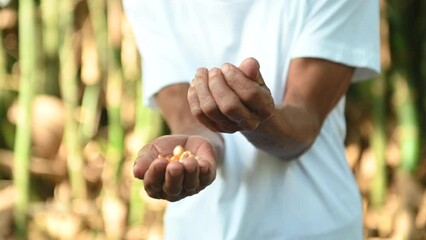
255, 195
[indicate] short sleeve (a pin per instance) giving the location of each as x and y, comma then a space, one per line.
163, 62
343, 31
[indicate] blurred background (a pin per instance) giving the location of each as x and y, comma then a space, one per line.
72, 122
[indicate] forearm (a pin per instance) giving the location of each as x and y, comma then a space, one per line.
289, 132
314, 87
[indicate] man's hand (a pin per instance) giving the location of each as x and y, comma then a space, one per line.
175, 180
231, 98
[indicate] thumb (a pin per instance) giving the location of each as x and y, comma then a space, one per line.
251, 68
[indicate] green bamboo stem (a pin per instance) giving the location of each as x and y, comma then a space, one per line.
27, 58
92, 91
3, 62
114, 100
408, 58
69, 91
408, 121
378, 143
90, 104
50, 42
91, 77
147, 127
115, 146
97, 10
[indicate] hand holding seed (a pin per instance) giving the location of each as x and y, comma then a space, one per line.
179, 154
176, 166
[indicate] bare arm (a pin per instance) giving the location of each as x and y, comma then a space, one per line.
238, 100
314, 88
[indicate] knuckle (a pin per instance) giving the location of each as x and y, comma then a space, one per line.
209, 107
232, 111
196, 112
250, 94
250, 124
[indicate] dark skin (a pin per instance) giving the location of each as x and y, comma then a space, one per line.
231, 99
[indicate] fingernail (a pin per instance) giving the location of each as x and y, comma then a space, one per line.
213, 72
201, 71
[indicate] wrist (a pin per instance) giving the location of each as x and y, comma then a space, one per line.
287, 134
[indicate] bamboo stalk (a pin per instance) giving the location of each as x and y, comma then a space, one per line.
408, 121
114, 100
91, 77
23, 135
50, 31
115, 145
69, 91
3, 62
408, 57
378, 144
136, 204
92, 91
97, 10
91, 116
148, 126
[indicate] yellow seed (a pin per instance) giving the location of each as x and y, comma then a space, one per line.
178, 150
185, 154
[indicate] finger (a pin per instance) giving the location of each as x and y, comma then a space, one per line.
207, 102
256, 97
174, 198
251, 68
198, 113
229, 103
154, 177
146, 155
191, 179
207, 173
174, 177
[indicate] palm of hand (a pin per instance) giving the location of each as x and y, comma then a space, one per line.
173, 181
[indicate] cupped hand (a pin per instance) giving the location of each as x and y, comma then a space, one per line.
230, 98
175, 180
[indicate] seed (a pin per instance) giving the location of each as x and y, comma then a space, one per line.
179, 154
178, 150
